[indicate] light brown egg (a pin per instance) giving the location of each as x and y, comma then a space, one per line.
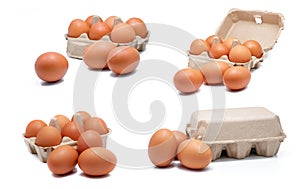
123, 59
162, 148
218, 50
51, 66
95, 56
83, 116
199, 46
89, 139
78, 27
62, 120
98, 30
210, 39
97, 124
89, 20
72, 130
188, 80
180, 137
194, 154
62, 160
48, 136
254, 47
97, 161
240, 54
139, 26
122, 33
33, 128
213, 72
236, 77
110, 21
229, 42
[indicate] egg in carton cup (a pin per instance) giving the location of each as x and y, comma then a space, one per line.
237, 131
262, 26
77, 46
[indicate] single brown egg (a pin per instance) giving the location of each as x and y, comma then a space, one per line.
199, 46
110, 21
97, 161
194, 154
89, 19
229, 42
82, 116
122, 33
139, 26
89, 139
48, 136
218, 50
97, 124
236, 77
72, 130
210, 39
33, 128
95, 56
98, 30
180, 137
254, 47
240, 54
78, 27
62, 120
123, 59
62, 160
188, 80
51, 66
213, 72
162, 148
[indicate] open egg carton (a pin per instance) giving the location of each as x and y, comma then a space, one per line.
77, 46
43, 152
237, 131
262, 26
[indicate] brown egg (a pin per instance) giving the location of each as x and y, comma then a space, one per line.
78, 27
110, 21
62, 120
51, 66
122, 33
97, 124
72, 130
194, 154
139, 26
229, 41
254, 47
33, 128
123, 59
82, 115
199, 46
95, 56
209, 39
180, 137
89, 20
240, 54
98, 30
162, 148
213, 72
48, 136
62, 160
188, 80
218, 50
236, 77
89, 139
97, 161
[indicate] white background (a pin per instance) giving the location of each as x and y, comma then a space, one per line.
30, 28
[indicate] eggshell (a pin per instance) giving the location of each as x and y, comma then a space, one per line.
77, 27
162, 148
210, 39
62, 160
188, 80
122, 33
236, 77
48, 136
194, 154
98, 30
110, 21
33, 128
62, 120
240, 54
83, 116
180, 137
97, 124
139, 26
123, 59
51, 66
89, 20
199, 46
89, 139
213, 72
254, 47
218, 50
97, 161
229, 41
95, 56
72, 130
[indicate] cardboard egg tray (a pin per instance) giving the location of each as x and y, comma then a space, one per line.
77, 46
264, 27
237, 131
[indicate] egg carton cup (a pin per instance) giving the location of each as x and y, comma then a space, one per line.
262, 26
237, 131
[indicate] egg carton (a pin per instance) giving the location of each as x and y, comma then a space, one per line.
262, 26
237, 131
77, 46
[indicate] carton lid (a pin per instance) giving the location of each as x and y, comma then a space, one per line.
262, 26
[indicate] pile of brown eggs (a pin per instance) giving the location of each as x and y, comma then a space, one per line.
65, 142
